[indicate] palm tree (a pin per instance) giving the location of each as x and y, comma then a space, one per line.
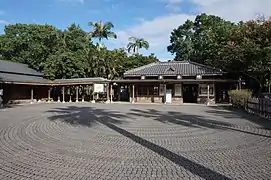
137, 43
101, 31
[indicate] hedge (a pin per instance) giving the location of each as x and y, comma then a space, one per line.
239, 98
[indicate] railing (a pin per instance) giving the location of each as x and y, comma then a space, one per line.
260, 107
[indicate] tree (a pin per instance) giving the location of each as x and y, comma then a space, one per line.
200, 40
74, 38
65, 65
101, 31
241, 49
181, 41
65, 54
137, 43
30, 43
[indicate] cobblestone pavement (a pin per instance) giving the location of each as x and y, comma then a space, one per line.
130, 141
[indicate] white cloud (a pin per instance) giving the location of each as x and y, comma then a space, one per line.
157, 31
4, 22
80, 1
173, 5
234, 10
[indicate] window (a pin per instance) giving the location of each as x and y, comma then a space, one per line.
178, 90
203, 89
156, 90
148, 90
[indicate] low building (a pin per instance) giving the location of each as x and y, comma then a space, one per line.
21, 84
161, 82
176, 82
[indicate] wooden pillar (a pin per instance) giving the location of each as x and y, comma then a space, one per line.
32, 95
119, 92
136, 91
133, 93
108, 92
63, 94
49, 94
76, 94
208, 95
59, 93
70, 93
130, 92
165, 93
83, 94
111, 93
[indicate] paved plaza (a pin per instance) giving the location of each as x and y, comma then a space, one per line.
132, 141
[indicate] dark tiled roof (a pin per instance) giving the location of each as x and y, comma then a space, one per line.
14, 72
80, 80
15, 67
20, 78
184, 68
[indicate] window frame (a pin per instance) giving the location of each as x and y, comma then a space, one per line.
205, 86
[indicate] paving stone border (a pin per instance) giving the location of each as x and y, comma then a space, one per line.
121, 141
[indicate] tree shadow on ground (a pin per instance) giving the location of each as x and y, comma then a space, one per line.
190, 120
87, 116
230, 112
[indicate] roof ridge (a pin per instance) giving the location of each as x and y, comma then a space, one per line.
174, 62
141, 67
203, 65
14, 62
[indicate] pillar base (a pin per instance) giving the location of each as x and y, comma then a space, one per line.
83, 100
63, 101
77, 101
70, 101
93, 101
107, 102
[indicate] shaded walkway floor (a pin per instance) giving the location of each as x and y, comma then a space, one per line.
103, 141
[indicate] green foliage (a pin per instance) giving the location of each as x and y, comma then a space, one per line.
64, 65
68, 53
29, 43
239, 98
137, 43
241, 49
101, 31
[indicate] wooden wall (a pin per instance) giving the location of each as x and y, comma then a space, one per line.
16, 93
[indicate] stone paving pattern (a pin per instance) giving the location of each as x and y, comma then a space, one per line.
131, 141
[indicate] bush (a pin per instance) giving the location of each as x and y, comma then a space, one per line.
239, 98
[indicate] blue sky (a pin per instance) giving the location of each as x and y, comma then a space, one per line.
149, 19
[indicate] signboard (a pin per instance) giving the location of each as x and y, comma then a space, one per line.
178, 90
98, 88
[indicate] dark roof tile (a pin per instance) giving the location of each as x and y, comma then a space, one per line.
19, 68
80, 80
184, 68
19, 78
